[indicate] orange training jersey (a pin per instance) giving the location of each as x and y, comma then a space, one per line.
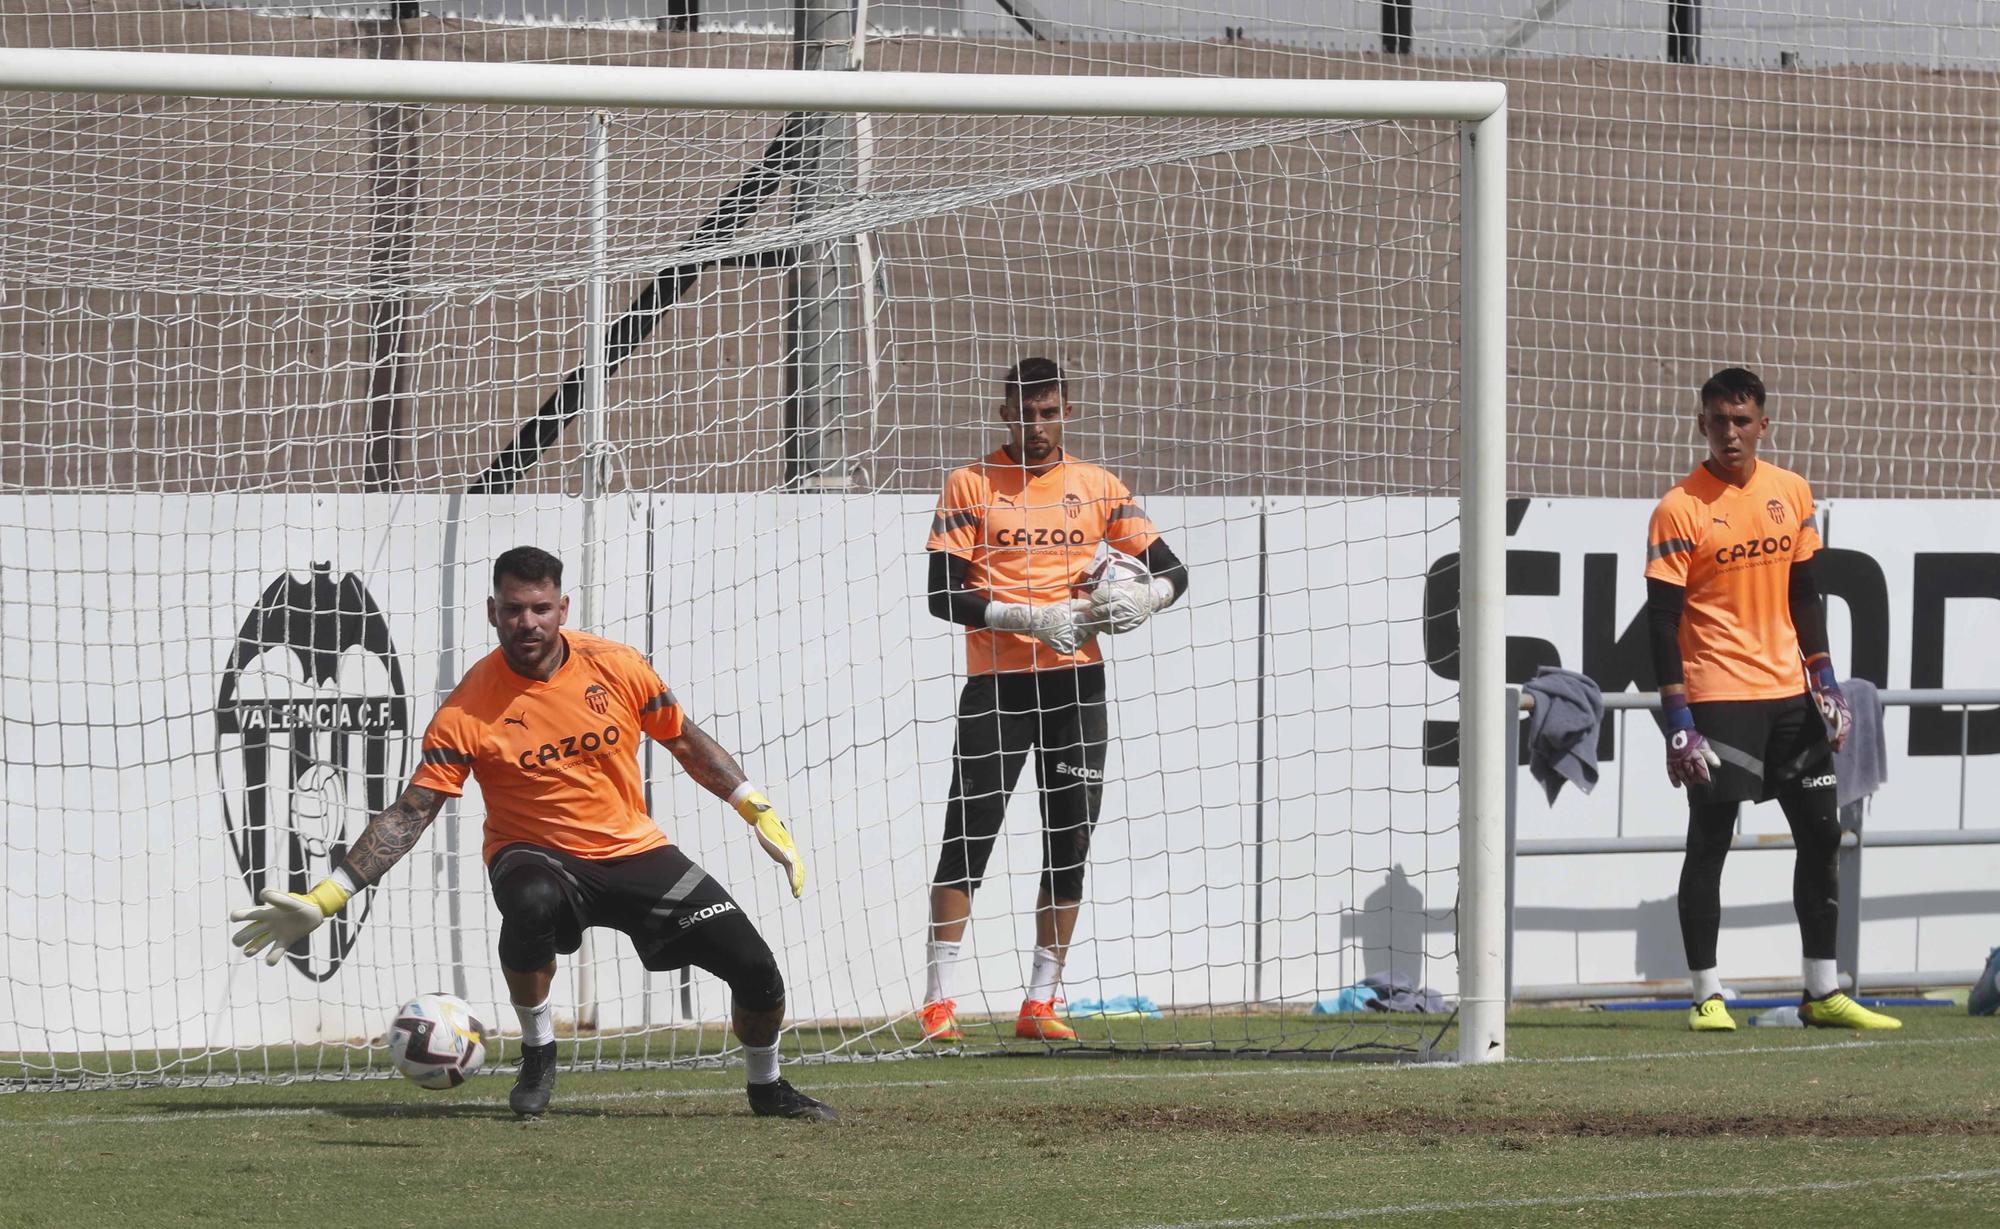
1028, 540
557, 761
1733, 549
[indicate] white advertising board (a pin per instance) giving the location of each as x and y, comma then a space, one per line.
204, 694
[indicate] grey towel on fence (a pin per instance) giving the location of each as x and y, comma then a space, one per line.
1562, 729
1863, 764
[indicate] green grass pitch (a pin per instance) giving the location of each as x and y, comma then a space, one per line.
1599, 1119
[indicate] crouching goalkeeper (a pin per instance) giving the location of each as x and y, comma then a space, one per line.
550, 724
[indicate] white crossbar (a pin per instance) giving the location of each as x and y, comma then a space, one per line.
592, 85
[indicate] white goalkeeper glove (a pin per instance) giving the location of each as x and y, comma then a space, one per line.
758, 812
1064, 626
286, 917
1123, 605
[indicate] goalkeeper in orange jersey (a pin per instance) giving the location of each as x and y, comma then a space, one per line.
550, 724
1748, 694
1013, 534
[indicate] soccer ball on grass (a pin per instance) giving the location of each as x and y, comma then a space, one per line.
436, 1042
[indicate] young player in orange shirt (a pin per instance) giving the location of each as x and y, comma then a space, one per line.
1748, 694
550, 724
1013, 535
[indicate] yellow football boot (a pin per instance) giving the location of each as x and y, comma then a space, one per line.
1710, 1016
1836, 1010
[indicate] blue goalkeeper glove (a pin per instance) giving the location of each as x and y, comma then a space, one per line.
1826, 693
1690, 760
285, 918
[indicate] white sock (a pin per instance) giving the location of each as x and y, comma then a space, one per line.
538, 1024
1822, 978
939, 956
760, 1063
1706, 984
1044, 976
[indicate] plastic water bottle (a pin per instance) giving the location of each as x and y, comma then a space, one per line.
1776, 1017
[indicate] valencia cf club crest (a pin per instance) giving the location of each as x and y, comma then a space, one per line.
598, 698
1777, 510
1073, 506
311, 724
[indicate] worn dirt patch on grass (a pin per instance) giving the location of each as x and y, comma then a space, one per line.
1422, 1122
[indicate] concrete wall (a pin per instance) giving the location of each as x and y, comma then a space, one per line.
1833, 228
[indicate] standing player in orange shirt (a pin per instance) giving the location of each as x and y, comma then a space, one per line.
1013, 536
550, 724
1747, 688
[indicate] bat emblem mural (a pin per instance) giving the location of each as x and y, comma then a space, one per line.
312, 722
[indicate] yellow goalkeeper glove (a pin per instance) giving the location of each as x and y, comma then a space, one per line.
286, 917
757, 810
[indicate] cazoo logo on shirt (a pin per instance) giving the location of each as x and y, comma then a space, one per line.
1039, 536
1755, 548
590, 742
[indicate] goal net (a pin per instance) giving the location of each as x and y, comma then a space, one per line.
283, 377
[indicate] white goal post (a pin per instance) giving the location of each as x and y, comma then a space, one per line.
1478, 109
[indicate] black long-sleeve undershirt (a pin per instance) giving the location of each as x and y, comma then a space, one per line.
1665, 602
1161, 561
1808, 610
951, 598
954, 600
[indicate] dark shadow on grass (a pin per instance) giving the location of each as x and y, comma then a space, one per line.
1592, 1021
1428, 1123
251, 1105
665, 1105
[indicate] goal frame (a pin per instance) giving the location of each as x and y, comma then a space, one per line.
1478, 108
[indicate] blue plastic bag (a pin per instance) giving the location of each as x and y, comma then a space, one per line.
1985, 997
1345, 1000
1118, 1005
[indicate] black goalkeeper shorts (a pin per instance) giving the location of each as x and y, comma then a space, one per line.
1059, 717
1764, 745
675, 913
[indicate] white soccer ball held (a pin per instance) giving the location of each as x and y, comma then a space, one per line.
1123, 592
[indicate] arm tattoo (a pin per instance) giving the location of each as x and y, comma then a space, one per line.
704, 759
393, 833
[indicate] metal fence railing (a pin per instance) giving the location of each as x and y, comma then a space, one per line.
1618, 707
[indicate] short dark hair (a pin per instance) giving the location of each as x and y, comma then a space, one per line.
1031, 376
529, 563
1733, 384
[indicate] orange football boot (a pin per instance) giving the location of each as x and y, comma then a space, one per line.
1038, 1022
940, 1024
